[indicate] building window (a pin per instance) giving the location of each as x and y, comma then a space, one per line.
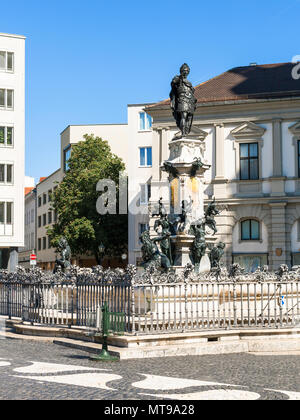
146, 156
6, 98
39, 221
39, 244
250, 262
44, 243
44, 198
44, 219
39, 201
49, 242
49, 217
67, 155
250, 230
6, 218
145, 122
49, 195
249, 161
32, 244
6, 173
6, 136
6, 61
145, 193
8, 213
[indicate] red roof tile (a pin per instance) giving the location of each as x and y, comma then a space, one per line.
28, 190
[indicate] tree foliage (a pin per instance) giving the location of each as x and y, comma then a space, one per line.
75, 198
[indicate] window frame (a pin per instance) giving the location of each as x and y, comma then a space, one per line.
6, 69
6, 182
5, 106
148, 127
8, 216
146, 193
5, 144
65, 161
250, 230
249, 159
146, 156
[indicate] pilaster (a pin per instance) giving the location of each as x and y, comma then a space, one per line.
277, 242
277, 180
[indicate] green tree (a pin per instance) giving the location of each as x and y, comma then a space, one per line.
75, 198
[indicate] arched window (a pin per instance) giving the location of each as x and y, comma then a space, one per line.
250, 230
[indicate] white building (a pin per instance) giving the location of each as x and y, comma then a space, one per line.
133, 143
12, 144
140, 174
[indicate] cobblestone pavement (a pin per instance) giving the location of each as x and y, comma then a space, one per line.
37, 370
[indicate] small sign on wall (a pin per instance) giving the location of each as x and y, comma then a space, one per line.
278, 252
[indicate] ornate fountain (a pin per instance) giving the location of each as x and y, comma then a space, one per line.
183, 238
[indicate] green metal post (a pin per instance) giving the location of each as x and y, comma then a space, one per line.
104, 356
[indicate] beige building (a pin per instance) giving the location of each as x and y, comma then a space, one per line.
250, 119
116, 135
45, 217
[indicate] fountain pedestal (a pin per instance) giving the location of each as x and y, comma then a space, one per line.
187, 185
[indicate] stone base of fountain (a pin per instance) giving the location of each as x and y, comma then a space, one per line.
183, 243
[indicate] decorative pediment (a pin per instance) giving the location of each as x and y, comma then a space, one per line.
248, 130
295, 129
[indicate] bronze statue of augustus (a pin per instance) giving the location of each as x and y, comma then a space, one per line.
183, 101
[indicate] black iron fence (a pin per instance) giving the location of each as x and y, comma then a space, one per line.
152, 302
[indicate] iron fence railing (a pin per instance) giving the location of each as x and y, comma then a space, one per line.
151, 303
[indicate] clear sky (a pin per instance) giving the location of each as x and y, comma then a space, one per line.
86, 60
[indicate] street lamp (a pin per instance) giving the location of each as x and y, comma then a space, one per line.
101, 250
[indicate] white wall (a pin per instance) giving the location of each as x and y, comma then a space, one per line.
250, 247
295, 243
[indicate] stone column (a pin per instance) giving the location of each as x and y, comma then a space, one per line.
277, 148
278, 248
219, 179
219, 151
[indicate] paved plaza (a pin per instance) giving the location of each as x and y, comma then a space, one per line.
38, 370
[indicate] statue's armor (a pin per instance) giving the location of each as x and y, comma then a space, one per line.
185, 100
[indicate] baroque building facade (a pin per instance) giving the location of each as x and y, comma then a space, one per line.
250, 120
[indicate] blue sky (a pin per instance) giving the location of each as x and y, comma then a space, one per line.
86, 60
